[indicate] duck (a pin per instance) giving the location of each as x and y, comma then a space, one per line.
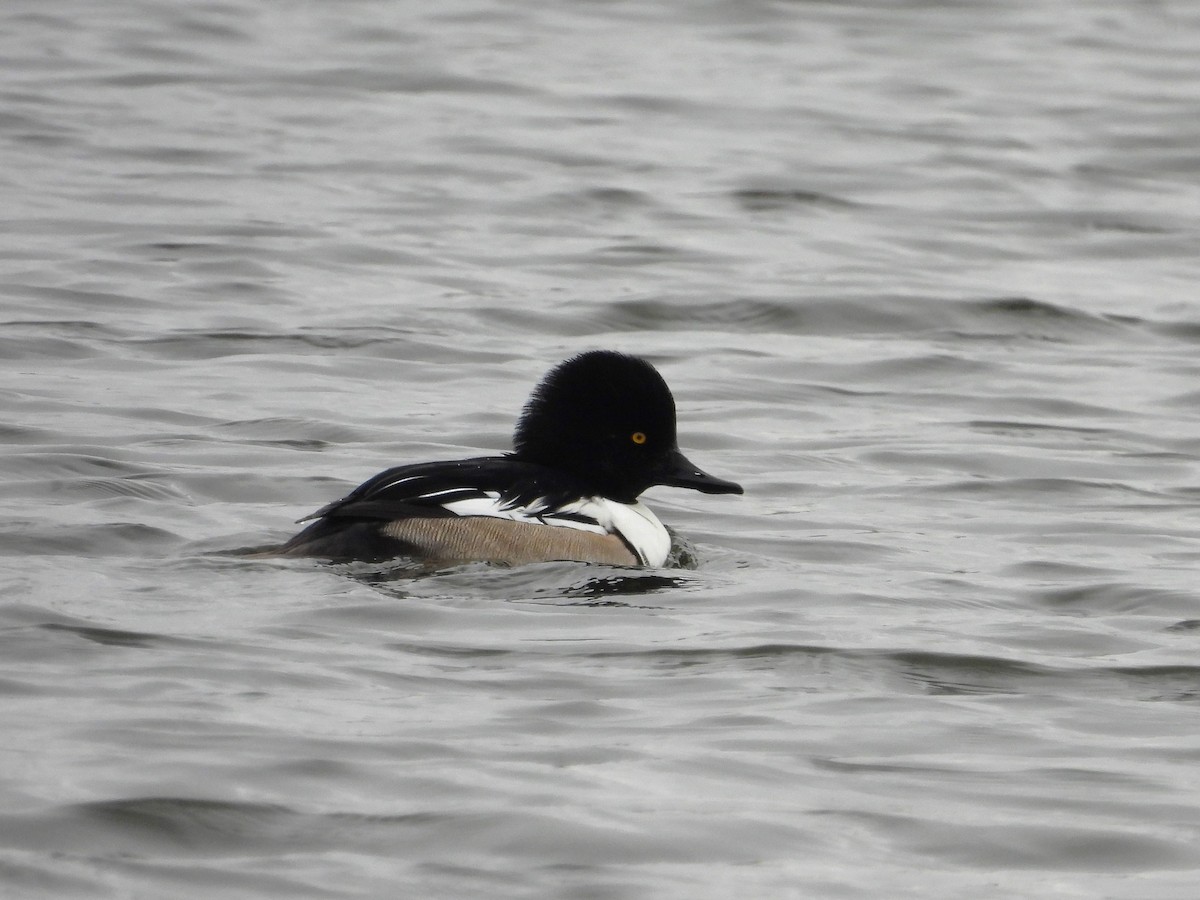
597, 431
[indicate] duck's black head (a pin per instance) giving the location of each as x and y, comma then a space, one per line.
609, 420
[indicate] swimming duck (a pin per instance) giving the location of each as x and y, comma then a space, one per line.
598, 430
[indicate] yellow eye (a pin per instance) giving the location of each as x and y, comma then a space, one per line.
638, 437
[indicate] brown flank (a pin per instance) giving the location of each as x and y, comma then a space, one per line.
470, 538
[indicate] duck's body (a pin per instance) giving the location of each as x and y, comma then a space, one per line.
491, 508
599, 429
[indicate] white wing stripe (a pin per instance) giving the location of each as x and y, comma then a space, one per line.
636, 524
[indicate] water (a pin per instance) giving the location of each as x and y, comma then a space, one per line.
922, 276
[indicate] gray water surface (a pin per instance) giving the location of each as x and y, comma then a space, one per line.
923, 278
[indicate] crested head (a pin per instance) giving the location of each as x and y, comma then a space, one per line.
603, 416
608, 420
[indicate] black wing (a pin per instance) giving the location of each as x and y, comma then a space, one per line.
422, 489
